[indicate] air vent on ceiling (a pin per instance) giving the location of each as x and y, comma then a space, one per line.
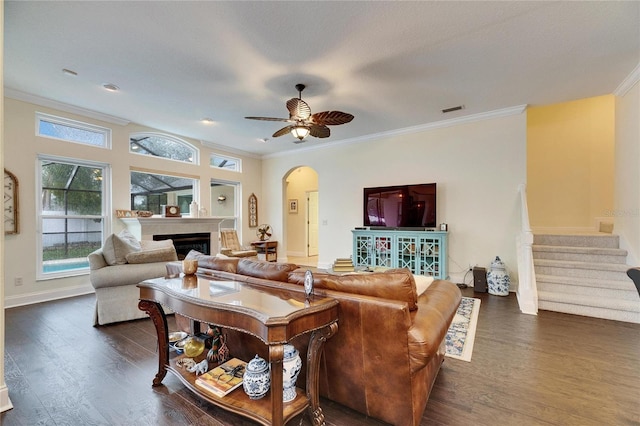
456, 108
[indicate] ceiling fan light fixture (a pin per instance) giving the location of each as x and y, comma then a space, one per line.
300, 132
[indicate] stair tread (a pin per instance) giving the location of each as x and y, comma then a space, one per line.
595, 301
586, 282
579, 249
582, 265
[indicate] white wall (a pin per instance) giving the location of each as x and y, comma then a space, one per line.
627, 173
22, 147
477, 166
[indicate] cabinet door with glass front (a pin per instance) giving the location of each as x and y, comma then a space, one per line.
422, 252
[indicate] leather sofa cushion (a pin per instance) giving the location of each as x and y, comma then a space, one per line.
266, 270
392, 284
226, 264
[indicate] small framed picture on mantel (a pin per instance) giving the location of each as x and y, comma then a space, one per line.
293, 205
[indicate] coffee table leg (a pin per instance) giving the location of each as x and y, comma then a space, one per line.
318, 338
155, 311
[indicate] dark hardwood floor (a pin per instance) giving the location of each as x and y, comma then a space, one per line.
550, 369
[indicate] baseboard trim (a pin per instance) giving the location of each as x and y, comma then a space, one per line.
5, 402
46, 296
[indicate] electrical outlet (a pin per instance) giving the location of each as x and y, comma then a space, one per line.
17, 281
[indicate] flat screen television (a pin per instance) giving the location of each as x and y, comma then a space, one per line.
402, 206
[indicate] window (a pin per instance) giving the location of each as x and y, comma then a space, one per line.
163, 146
72, 131
225, 163
150, 191
72, 216
223, 198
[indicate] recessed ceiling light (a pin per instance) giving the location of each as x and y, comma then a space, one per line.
263, 140
111, 87
207, 120
69, 72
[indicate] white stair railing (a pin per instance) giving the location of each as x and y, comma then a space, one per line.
527, 292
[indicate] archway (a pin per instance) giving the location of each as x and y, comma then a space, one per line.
301, 213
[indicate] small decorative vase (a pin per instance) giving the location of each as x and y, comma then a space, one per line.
291, 365
498, 279
257, 378
193, 209
190, 266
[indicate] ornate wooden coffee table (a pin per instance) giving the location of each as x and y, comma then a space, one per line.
274, 316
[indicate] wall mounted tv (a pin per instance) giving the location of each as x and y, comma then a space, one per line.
402, 206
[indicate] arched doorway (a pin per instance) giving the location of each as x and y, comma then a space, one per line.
301, 215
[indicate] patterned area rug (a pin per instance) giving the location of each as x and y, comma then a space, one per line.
462, 331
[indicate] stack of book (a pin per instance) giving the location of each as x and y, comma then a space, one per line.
343, 265
224, 378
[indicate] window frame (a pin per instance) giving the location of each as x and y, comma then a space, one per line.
80, 125
195, 151
104, 217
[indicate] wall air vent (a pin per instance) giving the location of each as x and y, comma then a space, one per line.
456, 108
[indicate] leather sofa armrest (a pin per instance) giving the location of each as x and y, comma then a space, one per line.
436, 308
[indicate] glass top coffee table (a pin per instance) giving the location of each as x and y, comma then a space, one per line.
273, 315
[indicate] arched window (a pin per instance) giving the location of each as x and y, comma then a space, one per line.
163, 146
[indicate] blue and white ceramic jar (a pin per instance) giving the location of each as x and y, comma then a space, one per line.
498, 279
257, 378
291, 365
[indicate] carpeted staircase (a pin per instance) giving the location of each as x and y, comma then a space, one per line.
584, 275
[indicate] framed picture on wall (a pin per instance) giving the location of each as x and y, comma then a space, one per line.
293, 205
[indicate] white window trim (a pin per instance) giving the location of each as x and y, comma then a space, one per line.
106, 209
196, 151
40, 116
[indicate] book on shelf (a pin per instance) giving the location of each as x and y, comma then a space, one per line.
224, 378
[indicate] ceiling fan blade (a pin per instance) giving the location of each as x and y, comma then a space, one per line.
282, 131
298, 109
331, 118
319, 131
288, 120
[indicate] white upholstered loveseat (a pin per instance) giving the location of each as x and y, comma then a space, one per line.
116, 269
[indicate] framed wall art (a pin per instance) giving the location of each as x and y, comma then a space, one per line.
11, 206
253, 211
293, 205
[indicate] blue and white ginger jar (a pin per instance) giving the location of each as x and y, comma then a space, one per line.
498, 279
291, 365
257, 378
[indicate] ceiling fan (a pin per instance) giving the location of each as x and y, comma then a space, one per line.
305, 123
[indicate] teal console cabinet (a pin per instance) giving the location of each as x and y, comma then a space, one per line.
423, 252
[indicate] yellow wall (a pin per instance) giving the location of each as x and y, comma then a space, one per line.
570, 163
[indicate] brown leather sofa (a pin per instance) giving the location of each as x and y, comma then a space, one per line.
390, 343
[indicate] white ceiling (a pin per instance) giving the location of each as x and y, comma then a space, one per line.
392, 65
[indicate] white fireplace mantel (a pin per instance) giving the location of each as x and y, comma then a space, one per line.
144, 228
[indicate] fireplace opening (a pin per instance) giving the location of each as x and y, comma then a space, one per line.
184, 243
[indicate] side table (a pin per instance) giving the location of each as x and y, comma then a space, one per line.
267, 250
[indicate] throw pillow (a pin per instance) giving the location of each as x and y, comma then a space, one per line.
154, 245
116, 247
166, 254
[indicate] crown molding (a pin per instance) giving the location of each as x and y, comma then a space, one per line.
230, 150
50, 103
504, 112
628, 82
